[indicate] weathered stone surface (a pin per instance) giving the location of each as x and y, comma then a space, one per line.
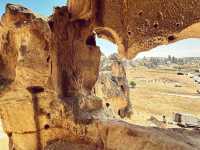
112, 86
90, 103
73, 41
57, 129
140, 25
23, 36
45, 122
35, 118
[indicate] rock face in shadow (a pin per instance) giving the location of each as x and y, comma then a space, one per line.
38, 117
112, 86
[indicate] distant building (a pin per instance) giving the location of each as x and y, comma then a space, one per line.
186, 120
196, 78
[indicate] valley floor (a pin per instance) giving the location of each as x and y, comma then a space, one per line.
161, 92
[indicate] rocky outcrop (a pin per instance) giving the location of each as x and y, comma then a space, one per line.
42, 121
112, 86
24, 41
73, 41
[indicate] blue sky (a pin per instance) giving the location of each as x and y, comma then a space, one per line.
184, 48
43, 7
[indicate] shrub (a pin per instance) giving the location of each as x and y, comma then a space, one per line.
132, 84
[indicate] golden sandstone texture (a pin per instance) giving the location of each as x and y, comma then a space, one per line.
49, 67
112, 86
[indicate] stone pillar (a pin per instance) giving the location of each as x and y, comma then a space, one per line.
75, 57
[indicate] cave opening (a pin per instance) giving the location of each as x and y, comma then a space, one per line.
91, 41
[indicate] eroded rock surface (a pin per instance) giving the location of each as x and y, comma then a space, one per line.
23, 36
74, 54
112, 86
50, 125
37, 117
140, 25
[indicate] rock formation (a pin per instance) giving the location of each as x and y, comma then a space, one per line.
140, 25
64, 114
112, 86
23, 36
73, 41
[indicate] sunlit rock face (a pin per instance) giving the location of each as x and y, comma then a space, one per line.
112, 86
24, 41
82, 9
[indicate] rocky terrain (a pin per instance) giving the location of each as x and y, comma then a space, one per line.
49, 69
112, 86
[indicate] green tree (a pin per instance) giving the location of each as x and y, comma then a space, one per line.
132, 84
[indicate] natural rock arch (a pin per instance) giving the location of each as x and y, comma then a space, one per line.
111, 35
142, 25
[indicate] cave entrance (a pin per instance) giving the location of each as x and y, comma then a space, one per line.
167, 80
4, 142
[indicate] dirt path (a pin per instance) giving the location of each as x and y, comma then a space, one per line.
183, 95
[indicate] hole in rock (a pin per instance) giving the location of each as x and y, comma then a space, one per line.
121, 113
171, 38
48, 115
46, 126
177, 24
155, 25
140, 13
122, 87
48, 58
91, 40
35, 89
107, 104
